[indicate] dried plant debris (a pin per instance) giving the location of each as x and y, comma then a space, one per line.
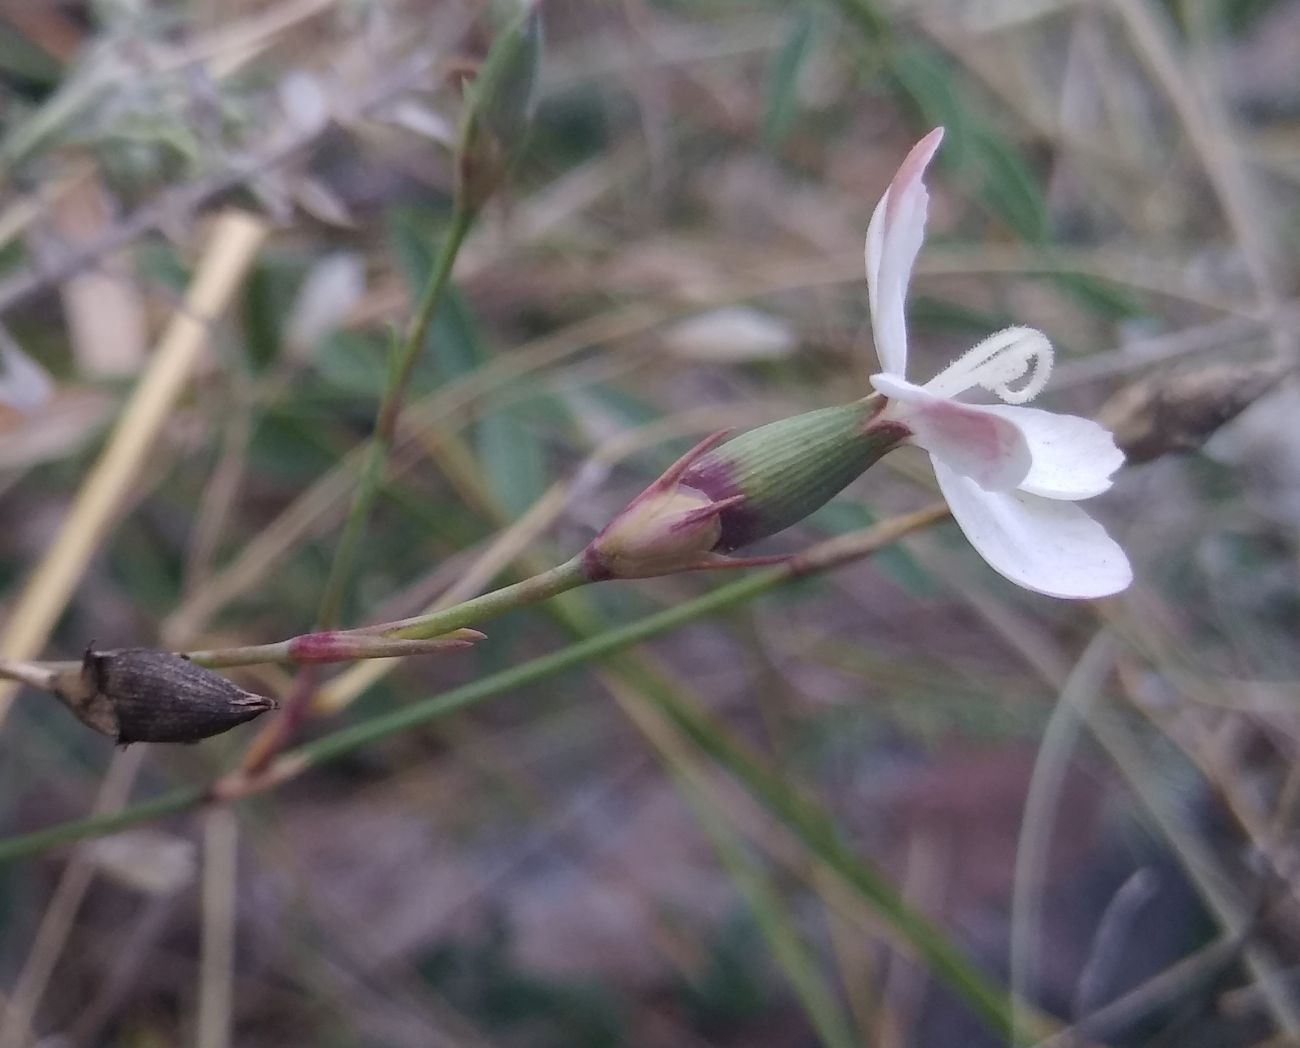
142, 695
1169, 413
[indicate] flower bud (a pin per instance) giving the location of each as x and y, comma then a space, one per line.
660, 533
142, 695
499, 110
719, 497
776, 475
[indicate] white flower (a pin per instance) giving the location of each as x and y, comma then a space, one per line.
1011, 475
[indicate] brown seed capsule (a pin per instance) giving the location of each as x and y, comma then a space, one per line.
142, 695
1169, 413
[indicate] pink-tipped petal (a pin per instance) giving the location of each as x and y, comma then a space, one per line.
894, 238
1073, 457
1044, 545
972, 439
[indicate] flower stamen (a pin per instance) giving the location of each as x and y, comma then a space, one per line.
1004, 358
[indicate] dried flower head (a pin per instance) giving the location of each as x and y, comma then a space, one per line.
142, 695
1180, 411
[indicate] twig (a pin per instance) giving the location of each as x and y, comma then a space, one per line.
330, 747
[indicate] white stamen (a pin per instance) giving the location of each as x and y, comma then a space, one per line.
1004, 357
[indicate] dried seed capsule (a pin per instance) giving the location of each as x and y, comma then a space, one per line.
1170, 413
142, 695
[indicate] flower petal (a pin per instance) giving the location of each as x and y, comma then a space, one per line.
970, 438
1045, 545
24, 384
1073, 457
894, 238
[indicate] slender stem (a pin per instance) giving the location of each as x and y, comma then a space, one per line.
810, 824
403, 636
820, 558
278, 734
339, 743
38, 675
99, 825
405, 354
479, 609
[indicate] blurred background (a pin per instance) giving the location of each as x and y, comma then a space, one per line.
1095, 803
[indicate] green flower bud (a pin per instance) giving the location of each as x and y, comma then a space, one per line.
499, 110
786, 470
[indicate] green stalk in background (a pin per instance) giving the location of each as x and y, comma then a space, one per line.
498, 113
405, 354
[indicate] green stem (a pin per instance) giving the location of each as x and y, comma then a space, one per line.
406, 353
340, 743
811, 826
337, 744
99, 825
432, 624
819, 834
344, 741
479, 609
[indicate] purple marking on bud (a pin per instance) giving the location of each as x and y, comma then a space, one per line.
715, 478
667, 528
325, 646
776, 475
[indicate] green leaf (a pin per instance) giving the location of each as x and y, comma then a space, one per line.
1112, 301
1005, 184
353, 362
512, 460
781, 98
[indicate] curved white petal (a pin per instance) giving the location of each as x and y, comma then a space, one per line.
1073, 457
1048, 546
970, 438
894, 238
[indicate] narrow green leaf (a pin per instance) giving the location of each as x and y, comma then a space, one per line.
515, 470
781, 98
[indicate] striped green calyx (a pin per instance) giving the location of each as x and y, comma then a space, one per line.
787, 470
719, 497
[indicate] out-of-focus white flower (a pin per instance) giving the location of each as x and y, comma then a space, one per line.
1010, 474
24, 384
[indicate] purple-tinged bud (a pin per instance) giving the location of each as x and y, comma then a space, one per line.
666, 529
719, 497
776, 475
349, 645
